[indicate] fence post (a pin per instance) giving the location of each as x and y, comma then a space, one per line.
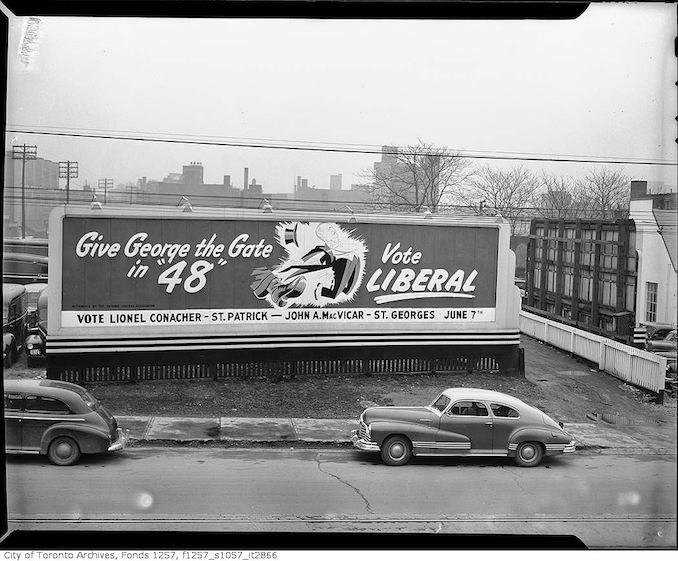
601, 357
571, 341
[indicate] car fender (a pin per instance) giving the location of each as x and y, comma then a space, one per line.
8, 340
380, 430
530, 434
90, 440
34, 338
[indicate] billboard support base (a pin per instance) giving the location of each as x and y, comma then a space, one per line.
284, 363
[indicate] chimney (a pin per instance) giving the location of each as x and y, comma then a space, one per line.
246, 179
638, 190
227, 180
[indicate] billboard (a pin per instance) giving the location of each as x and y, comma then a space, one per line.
120, 272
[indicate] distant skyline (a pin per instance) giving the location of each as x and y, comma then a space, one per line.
602, 85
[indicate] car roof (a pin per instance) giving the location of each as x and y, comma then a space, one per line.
26, 257
35, 286
52, 388
11, 291
477, 393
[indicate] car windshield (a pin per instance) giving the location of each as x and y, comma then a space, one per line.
441, 402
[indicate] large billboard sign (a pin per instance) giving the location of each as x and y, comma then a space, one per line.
122, 272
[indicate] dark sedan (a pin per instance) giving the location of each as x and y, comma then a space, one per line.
59, 419
462, 422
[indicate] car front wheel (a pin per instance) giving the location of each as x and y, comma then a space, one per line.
10, 357
396, 451
63, 451
529, 454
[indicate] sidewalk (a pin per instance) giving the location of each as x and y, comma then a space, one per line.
599, 438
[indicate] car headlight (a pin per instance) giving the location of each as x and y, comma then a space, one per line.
29, 346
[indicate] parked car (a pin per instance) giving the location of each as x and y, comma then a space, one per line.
13, 321
33, 291
665, 344
59, 419
462, 422
671, 362
24, 268
36, 340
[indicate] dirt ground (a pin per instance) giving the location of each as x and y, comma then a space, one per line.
567, 389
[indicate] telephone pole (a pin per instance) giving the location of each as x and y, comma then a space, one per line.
67, 170
23, 153
105, 184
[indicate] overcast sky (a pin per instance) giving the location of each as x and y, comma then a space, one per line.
598, 86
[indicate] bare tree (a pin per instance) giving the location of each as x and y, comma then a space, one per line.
413, 177
506, 192
558, 198
604, 193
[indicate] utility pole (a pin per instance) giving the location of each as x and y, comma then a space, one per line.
106, 184
67, 170
23, 153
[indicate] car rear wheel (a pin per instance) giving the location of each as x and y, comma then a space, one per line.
63, 451
529, 454
396, 451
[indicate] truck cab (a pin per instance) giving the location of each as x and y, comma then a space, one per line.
14, 304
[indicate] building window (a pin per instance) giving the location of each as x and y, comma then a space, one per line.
651, 313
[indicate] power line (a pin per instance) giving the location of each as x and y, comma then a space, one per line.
336, 149
370, 148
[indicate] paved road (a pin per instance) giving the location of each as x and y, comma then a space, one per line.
607, 501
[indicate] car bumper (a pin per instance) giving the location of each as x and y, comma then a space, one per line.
553, 449
362, 444
121, 442
570, 448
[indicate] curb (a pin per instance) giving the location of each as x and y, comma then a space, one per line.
232, 443
625, 451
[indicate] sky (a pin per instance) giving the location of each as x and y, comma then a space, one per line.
599, 86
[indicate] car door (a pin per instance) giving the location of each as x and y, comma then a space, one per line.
40, 413
505, 420
466, 425
13, 421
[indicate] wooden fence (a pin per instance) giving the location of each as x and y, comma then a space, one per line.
276, 370
640, 368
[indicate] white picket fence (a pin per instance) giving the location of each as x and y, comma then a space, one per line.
635, 366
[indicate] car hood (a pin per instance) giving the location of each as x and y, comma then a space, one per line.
401, 414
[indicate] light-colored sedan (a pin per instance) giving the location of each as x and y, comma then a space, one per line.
463, 422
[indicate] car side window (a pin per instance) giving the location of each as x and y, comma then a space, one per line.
469, 409
13, 402
41, 404
503, 410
